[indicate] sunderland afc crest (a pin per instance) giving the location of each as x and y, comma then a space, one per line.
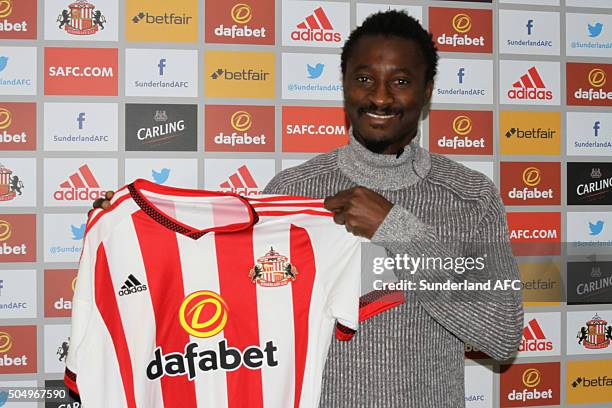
596, 334
272, 269
10, 184
82, 19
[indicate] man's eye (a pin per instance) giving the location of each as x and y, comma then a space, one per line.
402, 81
363, 79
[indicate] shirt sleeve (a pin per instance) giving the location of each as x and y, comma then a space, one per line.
82, 304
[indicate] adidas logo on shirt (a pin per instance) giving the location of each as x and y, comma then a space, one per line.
132, 285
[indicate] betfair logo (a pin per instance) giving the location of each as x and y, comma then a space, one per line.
462, 23
242, 75
5, 230
241, 13
597, 78
531, 377
165, 19
531, 176
6, 118
241, 121
6, 342
462, 125
6, 8
203, 314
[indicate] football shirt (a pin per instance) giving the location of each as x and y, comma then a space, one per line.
205, 299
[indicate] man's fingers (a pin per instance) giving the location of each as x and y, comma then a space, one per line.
337, 201
109, 194
98, 203
106, 204
339, 217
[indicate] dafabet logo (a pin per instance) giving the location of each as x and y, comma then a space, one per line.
161, 21
17, 126
461, 132
17, 238
17, 349
231, 74
527, 385
240, 22
18, 19
589, 382
461, 30
526, 132
529, 183
59, 290
313, 129
81, 71
589, 84
535, 233
236, 128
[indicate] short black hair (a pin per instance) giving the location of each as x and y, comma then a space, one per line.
394, 23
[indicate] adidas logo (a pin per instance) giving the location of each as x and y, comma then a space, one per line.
316, 27
530, 87
131, 285
81, 185
534, 338
241, 182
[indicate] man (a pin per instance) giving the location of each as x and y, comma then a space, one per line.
385, 188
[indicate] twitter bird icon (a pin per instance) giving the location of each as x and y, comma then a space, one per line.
595, 30
160, 177
3, 398
596, 228
3, 63
316, 71
78, 232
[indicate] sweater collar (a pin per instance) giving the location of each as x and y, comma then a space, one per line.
383, 171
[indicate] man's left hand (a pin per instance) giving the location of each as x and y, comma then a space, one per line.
359, 209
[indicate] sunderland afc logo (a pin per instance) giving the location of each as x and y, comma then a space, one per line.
82, 19
272, 269
595, 335
10, 184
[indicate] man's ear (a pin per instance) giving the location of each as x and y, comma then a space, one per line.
428, 91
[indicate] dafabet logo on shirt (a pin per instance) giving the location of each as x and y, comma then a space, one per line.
525, 132
161, 20
461, 30
589, 84
529, 183
239, 128
461, 132
81, 71
17, 349
240, 22
313, 129
526, 385
18, 19
59, 290
17, 126
239, 74
589, 382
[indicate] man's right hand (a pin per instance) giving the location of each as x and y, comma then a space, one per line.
103, 203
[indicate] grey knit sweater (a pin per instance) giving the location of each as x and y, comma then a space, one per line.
412, 356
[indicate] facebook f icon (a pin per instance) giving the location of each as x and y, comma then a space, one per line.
596, 127
81, 119
161, 66
461, 74
529, 26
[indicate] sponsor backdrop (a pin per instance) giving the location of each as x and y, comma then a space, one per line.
222, 95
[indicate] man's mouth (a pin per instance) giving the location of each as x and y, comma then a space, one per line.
380, 116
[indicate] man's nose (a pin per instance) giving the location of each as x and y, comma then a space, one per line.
380, 95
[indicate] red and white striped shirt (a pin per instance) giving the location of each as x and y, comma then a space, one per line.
204, 299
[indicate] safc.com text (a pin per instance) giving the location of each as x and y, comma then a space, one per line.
101, 72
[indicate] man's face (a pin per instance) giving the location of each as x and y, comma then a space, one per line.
385, 91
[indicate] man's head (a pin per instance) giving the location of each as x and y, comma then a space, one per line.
388, 68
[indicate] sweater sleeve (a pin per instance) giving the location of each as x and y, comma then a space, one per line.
491, 320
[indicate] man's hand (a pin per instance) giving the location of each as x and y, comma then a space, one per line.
359, 209
103, 203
